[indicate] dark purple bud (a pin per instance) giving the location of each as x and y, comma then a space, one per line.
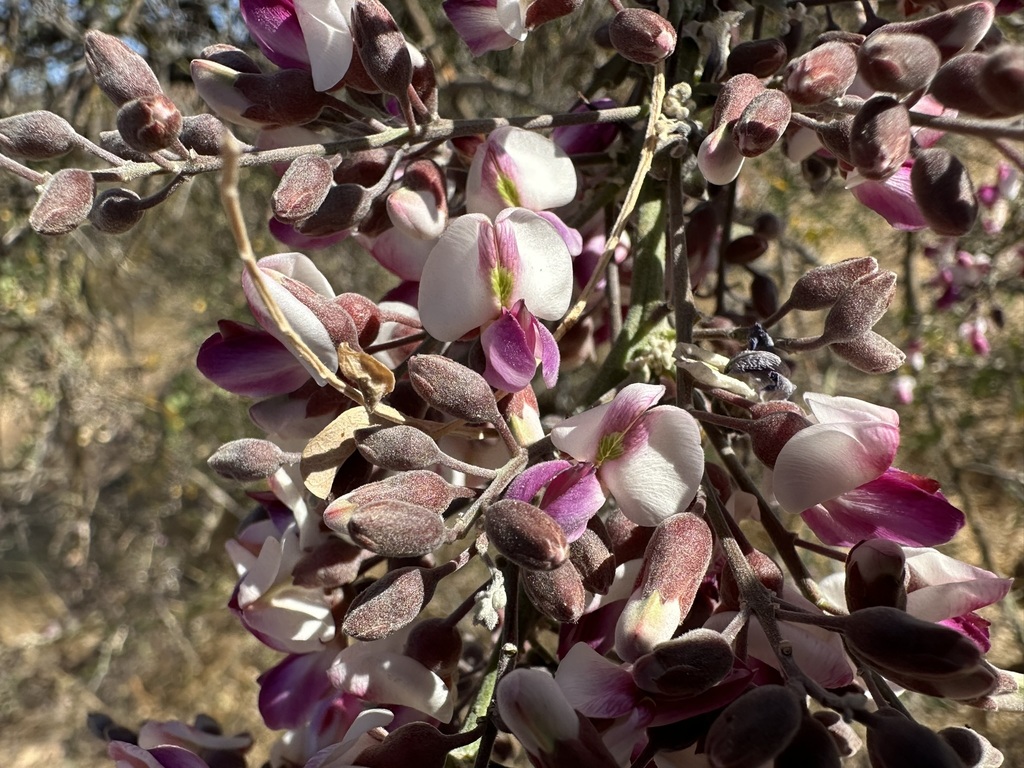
526, 535
436, 644
895, 741
365, 168
247, 460
811, 747
641, 36
737, 92
397, 448
453, 389
231, 57
769, 226
760, 58
64, 204
392, 602
822, 286
762, 123
150, 123
115, 211
973, 749
346, 206
302, 189
421, 487
628, 541
119, 71
821, 74
897, 63
875, 575
859, 307
745, 249
755, 728
958, 85
686, 665
38, 135
880, 137
331, 564
285, 97
954, 31
202, 134
944, 192
835, 136
764, 295
593, 560
871, 353
766, 570
381, 48
395, 528
559, 593
1002, 80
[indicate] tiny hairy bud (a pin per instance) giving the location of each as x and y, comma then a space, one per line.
880, 137
972, 748
119, 71
875, 575
895, 741
811, 747
453, 388
755, 728
959, 85
392, 602
943, 191
1002, 80
871, 353
526, 535
302, 189
760, 58
202, 133
38, 135
593, 560
337, 322
762, 123
642, 36
897, 63
835, 136
397, 448
955, 31
822, 286
65, 203
247, 460
150, 123
736, 93
745, 249
821, 74
859, 307
395, 528
686, 665
381, 47
115, 211
559, 593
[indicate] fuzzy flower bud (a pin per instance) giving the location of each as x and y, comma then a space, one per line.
755, 728
895, 741
453, 388
822, 286
880, 137
954, 31
395, 528
835, 137
859, 308
526, 535
685, 666
115, 211
642, 36
821, 74
232, 57
119, 71
765, 569
760, 58
737, 92
875, 573
381, 47
38, 135
302, 189
558, 594
762, 123
959, 85
202, 133
1002, 80
897, 63
811, 747
944, 192
392, 602
150, 123
345, 206
247, 460
593, 559
64, 204
397, 448
871, 353
971, 747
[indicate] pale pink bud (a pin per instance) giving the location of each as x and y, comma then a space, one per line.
944, 192
419, 208
897, 63
302, 189
526, 535
760, 58
642, 36
880, 137
150, 123
755, 728
38, 135
396, 528
115, 211
119, 71
64, 204
762, 123
247, 460
821, 74
718, 158
453, 388
870, 353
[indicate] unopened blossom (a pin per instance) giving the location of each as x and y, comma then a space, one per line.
494, 25
649, 458
569, 493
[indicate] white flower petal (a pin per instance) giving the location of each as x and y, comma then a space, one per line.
580, 435
829, 409
594, 685
511, 16
325, 27
545, 276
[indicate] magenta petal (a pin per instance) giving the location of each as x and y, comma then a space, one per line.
893, 200
973, 627
285, 233
248, 361
529, 483
550, 360
177, 757
572, 498
275, 28
476, 21
510, 362
290, 690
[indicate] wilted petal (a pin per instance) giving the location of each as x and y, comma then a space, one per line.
893, 200
476, 22
660, 475
545, 266
511, 364
325, 27
596, 686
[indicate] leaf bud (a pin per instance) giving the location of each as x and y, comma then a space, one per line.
202, 133
150, 123
642, 36
811, 747
954, 31
821, 74
1002, 80
973, 749
760, 58
247, 460
755, 728
395, 528
959, 85
822, 286
686, 665
897, 63
762, 123
381, 48
526, 535
880, 137
302, 189
859, 307
119, 71
231, 57
65, 203
875, 575
558, 594
452, 388
871, 353
593, 560
745, 249
38, 135
397, 448
392, 602
895, 741
115, 211
943, 191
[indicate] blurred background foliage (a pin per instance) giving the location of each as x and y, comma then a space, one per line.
113, 580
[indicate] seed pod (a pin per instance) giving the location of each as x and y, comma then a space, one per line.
38, 135
302, 189
762, 123
558, 594
526, 535
870, 353
119, 71
64, 204
943, 191
247, 460
880, 137
641, 36
760, 58
397, 448
1002, 80
811, 747
452, 388
686, 665
859, 307
875, 575
755, 728
897, 63
392, 602
822, 286
115, 211
959, 85
821, 74
895, 741
395, 528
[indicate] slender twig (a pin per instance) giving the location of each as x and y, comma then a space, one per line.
16, 168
